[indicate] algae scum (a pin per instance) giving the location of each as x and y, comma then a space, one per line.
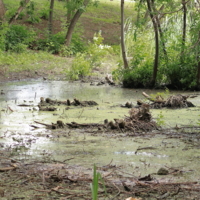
139, 154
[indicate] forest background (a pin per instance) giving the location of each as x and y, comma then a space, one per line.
145, 43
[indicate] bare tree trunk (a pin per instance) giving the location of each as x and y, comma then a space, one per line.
2, 9
184, 29
198, 75
198, 64
160, 29
122, 36
73, 22
156, 59
20, 9
51, 17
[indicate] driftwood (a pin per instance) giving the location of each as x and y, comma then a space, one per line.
174, 101
76, 102
158, 99
59, 124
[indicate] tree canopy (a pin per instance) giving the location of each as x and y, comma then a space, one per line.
162, 39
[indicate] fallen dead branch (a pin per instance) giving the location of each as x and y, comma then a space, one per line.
73, 181
139, 120
174, 101
75, 102
7, 169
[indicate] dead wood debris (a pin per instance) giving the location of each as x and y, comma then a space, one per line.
73, 182
75, 102
174, 101
46, 108
139, 120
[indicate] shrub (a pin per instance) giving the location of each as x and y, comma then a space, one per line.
81, 67
51, 44
137, 76
93, 56
19, 48
33, 18
17, 36
3, 30
44, 12
96, 51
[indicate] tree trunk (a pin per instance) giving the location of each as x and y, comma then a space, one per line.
2, 9
122, 36
198, 65
73, 22
20, 9
198, 75
160, 29
156, 59
184, 29
51, 17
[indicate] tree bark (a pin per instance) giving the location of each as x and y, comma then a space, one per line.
198, 75
156, 58
73, 22
198, 64
51, 17
160, 29
184, 29
122, 36
20, 9
2, 9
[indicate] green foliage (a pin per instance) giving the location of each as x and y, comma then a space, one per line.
81, 67
9, 13
52, 44
93, 56
44, 12
139, 73
3, 30
33, 17
77, 45
19, 48
16, 38
161, 94
97, 51
21, 16
160, 119
95, 184
178, 67
55, 44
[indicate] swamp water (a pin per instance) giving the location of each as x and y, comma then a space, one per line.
81, 148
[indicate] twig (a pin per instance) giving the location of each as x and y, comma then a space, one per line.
7, 169
117, 193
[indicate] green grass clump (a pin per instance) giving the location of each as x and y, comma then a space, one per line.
95, 184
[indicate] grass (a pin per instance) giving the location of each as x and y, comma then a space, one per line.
95, 184
30, 60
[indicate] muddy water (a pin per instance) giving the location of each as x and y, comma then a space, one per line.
85, 149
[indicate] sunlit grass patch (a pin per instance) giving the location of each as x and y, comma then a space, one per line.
30, 60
